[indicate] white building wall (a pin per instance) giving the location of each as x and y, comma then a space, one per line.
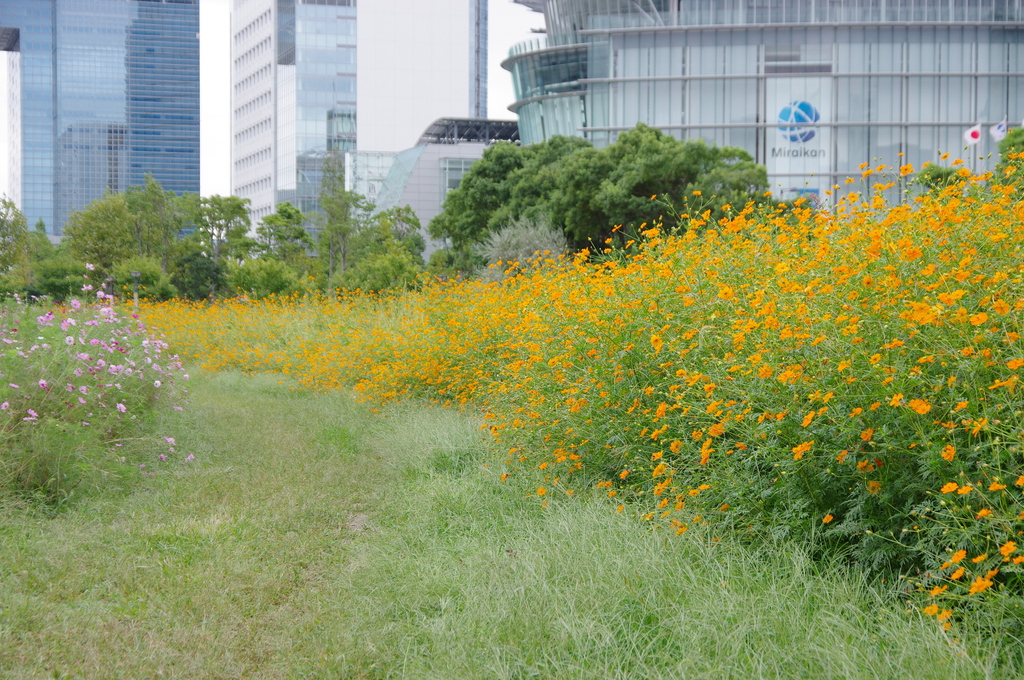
400, 92
14, 128
253, 103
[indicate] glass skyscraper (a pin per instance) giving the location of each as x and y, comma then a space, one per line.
810, 88
315, 77
109, 91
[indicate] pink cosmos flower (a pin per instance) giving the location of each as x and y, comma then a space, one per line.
122, 408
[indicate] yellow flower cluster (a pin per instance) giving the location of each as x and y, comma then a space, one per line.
835, 362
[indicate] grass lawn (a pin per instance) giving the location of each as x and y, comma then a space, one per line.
311, 538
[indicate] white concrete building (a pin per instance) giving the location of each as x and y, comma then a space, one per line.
310, 77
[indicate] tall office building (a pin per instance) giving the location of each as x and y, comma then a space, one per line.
811, 88
311, 77
102, 92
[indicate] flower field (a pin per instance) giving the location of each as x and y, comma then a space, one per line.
848, 378
77, 384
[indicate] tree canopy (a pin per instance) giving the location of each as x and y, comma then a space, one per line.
645, 175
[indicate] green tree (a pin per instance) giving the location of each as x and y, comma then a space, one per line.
344, 212
153, 282
283, 237
222, 225
1010, 168
157, 217
479, 205
261, 278
936, 177
400, 225
196, 275
644, 163
586, 192
103, 233
13, 235
394, 268
62, 276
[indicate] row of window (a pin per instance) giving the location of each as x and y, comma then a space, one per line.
253, 26
251, 80
253, 105
262, 184
248, 133
252, 159
253, 52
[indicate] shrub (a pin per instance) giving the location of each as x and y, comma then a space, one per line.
261, 278
153, 282
74, 383
523, 241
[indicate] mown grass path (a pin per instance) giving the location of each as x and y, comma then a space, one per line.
312, 539
207, 573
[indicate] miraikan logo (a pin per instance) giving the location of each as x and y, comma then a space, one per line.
793, 119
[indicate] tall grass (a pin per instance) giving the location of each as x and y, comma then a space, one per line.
848, 379
315, 539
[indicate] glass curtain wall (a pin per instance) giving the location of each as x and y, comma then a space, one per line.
812, 103
109, 91
316, 93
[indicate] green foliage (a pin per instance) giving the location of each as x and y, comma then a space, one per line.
392, 268
482, 200
400, 225
618, 184
13, 234
283, 237
262, 278
444, 264
61, 277
344, 213
102, 233
197, 276
936, 177
153, 282
222, 227
515, 247
587, 192
158, 215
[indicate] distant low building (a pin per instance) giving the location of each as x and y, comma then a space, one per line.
420, 177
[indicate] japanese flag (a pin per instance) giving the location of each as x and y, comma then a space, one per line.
998, 131
972, 135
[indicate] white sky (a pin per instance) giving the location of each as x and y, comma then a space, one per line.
508, 24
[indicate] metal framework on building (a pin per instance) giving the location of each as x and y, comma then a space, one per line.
458, 130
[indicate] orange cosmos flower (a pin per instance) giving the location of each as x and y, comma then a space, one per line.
950, 487
948, 452
801, 449
920, 406
827, 518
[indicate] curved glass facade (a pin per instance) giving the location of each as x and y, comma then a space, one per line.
811, 88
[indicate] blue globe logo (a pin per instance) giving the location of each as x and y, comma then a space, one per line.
794, 118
